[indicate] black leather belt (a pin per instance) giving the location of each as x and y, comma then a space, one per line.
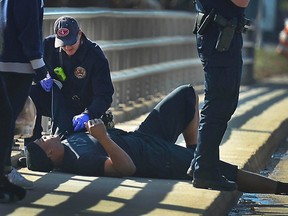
241, 25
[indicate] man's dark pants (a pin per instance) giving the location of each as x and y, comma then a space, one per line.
222, 81
168, 120
51, 104
14, 90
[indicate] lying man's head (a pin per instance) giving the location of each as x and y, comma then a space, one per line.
44, 154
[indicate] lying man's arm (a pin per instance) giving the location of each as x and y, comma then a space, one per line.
241, 3
119, 163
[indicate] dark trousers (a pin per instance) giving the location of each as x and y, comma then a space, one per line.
167, 121
222, 82
54, 105
172, 115
14, 90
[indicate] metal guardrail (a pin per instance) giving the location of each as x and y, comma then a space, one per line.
149, 52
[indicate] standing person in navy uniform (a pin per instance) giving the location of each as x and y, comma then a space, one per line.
218, 29
21, 54
82, 86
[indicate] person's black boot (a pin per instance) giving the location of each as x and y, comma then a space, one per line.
10, 192
218, 183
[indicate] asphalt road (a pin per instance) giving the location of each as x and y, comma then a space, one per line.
267, 205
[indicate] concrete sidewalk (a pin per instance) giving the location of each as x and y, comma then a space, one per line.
258, 126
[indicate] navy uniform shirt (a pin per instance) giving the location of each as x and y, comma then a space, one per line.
224, 7
88, 87
206, 43
22, 47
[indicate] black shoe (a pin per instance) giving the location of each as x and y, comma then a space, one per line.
220, 183
10, 192
22, 162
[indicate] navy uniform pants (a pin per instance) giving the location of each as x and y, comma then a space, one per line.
14, 90
222, 82
54, 105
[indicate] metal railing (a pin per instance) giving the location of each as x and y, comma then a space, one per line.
149, 52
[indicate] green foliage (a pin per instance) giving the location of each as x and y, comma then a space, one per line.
283, 5
269, 63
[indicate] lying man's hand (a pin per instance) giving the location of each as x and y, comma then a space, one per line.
96, 128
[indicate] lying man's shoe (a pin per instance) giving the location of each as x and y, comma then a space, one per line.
220, 183
10, 192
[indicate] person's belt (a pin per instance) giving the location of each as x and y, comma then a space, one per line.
227, 27
203, 21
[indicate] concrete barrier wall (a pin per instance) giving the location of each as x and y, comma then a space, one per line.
150, 52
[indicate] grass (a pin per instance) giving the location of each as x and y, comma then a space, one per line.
269, 63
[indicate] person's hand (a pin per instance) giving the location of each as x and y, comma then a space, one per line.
78, 121
47, 83
96, 128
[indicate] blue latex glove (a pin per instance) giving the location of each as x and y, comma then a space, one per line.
47, 83
79, 120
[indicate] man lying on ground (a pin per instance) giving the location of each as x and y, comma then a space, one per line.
150, 151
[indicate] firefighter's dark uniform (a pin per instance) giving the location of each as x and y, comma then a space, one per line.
87, 89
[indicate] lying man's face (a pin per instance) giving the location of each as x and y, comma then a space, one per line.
53, 148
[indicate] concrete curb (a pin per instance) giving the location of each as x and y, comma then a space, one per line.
255, 163
259, 125
262, 134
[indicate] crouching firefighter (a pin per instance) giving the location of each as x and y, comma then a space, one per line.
79, 86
